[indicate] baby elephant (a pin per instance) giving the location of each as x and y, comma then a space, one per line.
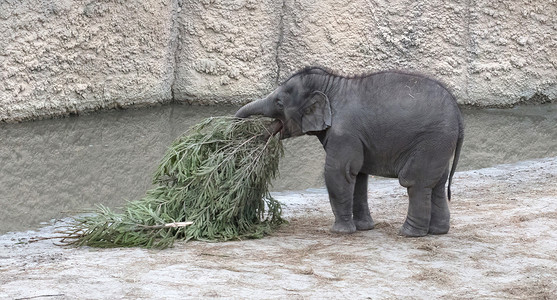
390, 124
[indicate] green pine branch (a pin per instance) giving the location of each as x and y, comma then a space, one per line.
212, 184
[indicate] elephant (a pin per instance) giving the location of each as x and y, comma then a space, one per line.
393, 124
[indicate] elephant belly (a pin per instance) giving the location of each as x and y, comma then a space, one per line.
376, 167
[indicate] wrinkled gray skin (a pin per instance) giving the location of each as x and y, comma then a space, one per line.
389, 124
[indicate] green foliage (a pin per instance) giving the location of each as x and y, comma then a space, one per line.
212, 184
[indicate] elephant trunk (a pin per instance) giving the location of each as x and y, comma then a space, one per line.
262, 107
259, 107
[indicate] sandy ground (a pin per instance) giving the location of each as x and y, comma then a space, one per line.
502, 245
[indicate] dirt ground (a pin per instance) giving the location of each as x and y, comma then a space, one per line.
502, 245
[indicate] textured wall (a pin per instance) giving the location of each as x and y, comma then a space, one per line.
490, 53
65, 56
512, 51
227, 50
62, 57
363, 35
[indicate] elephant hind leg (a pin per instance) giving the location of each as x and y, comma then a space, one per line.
428, 210
440, 214
425, 174
361, 215
419, 212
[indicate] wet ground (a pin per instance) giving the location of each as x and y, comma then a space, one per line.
501, 246
53, 168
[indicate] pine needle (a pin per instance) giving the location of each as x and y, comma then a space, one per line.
211, 185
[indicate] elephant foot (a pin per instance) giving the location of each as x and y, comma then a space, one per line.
439, 228
343, 227
440, 222
410, 231
366, 224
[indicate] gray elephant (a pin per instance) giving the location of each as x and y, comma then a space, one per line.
390, 124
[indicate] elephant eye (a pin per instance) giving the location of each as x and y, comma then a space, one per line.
279, 103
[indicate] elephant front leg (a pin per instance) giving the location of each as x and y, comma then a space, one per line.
340, 185
361, 214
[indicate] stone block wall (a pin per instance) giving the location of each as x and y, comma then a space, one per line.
490, 53
61, 57
512, 52
227, 50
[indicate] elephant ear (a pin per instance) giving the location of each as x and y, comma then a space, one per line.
316, 114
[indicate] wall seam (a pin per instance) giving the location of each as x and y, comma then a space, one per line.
176, 39
280, 41
468, 49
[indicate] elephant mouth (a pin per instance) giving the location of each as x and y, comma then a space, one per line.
277, 127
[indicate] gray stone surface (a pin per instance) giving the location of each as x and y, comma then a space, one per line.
59, 57
494, 53
501, 246
512, 52
227, 50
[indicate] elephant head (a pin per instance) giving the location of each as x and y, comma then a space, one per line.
300, 108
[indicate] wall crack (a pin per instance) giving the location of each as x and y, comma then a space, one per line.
175, 43
280, 41
468, 50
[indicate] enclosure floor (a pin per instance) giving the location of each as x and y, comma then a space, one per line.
501, 245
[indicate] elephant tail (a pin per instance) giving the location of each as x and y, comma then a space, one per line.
456, 156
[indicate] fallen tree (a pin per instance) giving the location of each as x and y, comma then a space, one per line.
212, 184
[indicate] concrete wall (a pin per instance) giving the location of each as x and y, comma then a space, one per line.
61, 57
227, 50
66, 56
490, 53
